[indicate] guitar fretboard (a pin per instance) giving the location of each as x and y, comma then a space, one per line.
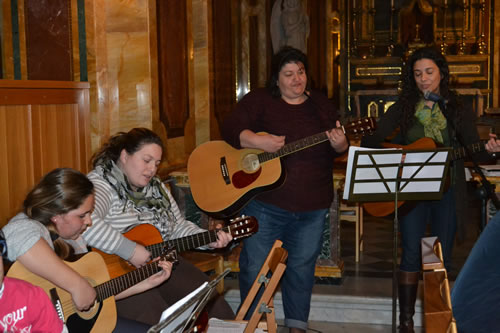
186, 243
461, 152
117, 285
358, 127
294, 147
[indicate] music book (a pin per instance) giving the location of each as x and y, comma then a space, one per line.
224, 326
491, 170
181, 316
377, 172
350, 162
181, 312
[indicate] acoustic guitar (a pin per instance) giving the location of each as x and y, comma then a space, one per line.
381, 209
102, 316
148, 236
223, 179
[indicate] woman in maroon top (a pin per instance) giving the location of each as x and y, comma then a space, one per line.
294, 212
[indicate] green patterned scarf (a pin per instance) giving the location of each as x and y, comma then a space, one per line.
150, 202
433, 120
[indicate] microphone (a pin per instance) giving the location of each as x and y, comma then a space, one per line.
434, 97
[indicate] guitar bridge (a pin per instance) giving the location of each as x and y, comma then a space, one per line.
57, 304
224, 171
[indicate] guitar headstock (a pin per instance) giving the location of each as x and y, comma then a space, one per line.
361, 126
243, 226
170, 254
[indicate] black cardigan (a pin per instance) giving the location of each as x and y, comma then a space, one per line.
467, 130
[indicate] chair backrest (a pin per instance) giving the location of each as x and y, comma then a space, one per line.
437, 302
269, 275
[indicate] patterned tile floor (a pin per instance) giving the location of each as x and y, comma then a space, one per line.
376, 259
372, 275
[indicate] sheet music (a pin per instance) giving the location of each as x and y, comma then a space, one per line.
428, 171
180, 317
491, 170
223, 326
184, 317
371, 173
425, 176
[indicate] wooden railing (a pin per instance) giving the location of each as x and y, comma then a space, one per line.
437, 302
43, 125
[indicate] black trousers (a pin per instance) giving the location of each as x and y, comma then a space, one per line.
148, 306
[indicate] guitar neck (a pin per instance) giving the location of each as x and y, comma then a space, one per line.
460, 153
186, 243
117, 285
294, 147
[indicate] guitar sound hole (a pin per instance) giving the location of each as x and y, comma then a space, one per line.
77, 323
250, 163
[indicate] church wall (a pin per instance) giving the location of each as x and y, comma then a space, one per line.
228, 50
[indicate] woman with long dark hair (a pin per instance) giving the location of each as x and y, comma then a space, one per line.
449, 124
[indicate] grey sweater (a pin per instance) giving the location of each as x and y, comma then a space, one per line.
112, 217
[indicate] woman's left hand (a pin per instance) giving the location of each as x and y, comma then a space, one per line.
337, 138
223, 238
153, 281
493, 144
160, 277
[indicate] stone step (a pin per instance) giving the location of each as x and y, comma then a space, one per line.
341, 308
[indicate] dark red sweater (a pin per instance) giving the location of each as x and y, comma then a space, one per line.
308, 184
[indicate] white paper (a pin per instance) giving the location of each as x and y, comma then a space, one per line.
184, 316
223, 326
491, 170
370, 173
390, 172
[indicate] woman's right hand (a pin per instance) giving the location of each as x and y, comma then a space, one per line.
140, 257
271, 143
267, 142
84, 295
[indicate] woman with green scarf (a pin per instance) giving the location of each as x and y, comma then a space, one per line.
449, 124
127, 194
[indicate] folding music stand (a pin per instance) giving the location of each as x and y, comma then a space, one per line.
269, 277
392, 175
181, 316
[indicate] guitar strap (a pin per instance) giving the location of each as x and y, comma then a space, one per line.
3, 245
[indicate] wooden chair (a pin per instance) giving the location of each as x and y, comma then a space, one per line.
274, 265
353, 212
437, 302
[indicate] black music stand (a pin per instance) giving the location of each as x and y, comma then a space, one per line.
181, 316
392, 175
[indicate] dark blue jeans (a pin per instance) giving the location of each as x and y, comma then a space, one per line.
475, 296
301, 234
443, 219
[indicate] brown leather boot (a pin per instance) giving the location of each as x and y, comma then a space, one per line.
408, 286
